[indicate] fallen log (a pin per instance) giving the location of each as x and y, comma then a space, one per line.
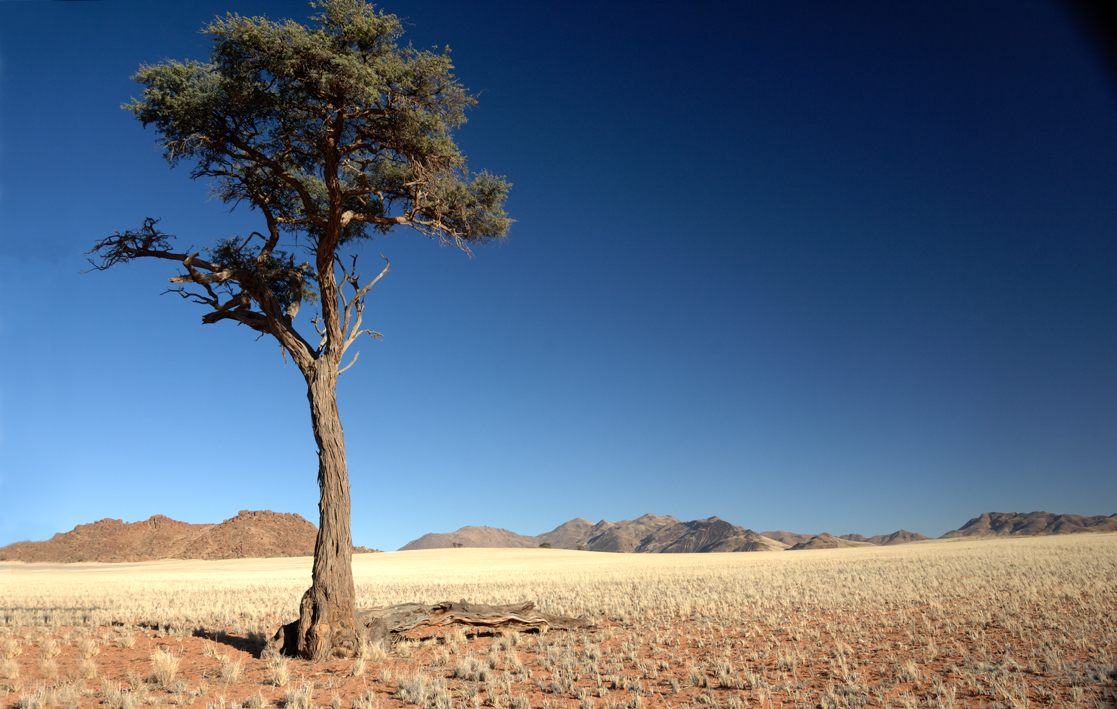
386, 624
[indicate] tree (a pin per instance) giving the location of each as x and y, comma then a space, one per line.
333, 133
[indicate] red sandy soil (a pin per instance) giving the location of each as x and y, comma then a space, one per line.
650, 663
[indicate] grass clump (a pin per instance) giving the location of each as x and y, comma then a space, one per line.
164, 668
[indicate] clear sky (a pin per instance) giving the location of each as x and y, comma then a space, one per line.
843, 267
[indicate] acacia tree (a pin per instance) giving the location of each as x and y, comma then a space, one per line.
333, 133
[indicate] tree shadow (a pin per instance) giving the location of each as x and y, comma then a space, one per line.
252, 644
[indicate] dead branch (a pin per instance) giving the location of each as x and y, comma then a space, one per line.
351, 363
388, 624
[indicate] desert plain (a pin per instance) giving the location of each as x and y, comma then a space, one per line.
1011, 622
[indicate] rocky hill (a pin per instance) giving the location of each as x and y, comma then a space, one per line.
570, 535
788, 538
902, 536
828, 541
625, 536
705, 535
489, 537
1019, 524
250, 534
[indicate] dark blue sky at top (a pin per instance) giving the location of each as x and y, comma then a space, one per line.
809, 266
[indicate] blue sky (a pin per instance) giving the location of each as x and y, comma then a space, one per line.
806, 266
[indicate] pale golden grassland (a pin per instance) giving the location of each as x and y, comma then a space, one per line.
1012, 623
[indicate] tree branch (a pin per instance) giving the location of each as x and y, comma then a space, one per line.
356, 305
351, 363
149, 242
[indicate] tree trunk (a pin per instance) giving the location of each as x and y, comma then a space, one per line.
327, 626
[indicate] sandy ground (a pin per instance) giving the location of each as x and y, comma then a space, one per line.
1048, 644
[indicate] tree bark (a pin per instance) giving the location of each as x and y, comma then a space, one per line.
327, 626
385, 624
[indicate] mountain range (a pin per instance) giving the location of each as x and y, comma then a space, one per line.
652, 534
625, 536
665, 534
265, 534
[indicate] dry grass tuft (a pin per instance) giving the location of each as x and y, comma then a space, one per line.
10, 648
88, 648
279, 672
49, 649
300, 697
371, 651
9, 669
230, 670
164, 668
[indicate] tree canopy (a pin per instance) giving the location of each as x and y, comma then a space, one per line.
333, 132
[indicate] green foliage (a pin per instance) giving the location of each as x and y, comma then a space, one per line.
334, 133
311, 122
289, 284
